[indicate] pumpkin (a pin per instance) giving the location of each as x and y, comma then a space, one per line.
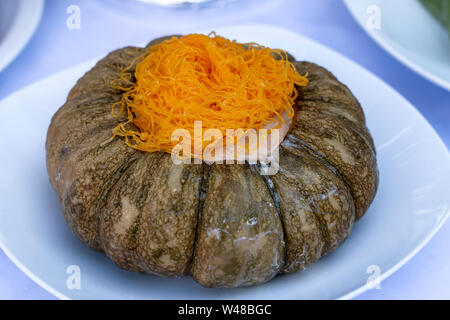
226, 225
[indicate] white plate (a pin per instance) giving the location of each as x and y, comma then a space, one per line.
18, 21
410, 206
409, 33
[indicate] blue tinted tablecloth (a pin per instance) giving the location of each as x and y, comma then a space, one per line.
106, 25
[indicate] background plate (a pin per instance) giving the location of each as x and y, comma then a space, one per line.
18, 21
411, 34
410, 206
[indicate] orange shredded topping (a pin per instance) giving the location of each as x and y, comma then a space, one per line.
223, 83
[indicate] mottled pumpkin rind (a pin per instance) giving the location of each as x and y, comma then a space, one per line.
226, 225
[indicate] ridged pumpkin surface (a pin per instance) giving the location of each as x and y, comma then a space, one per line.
226, 225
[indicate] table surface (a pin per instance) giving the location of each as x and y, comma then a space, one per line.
107, 25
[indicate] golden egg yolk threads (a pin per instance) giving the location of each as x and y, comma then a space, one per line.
208, 78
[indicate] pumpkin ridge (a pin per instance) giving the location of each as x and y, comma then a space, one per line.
202, 190
357, 125
348, 125
276, 200
318, 156
345, 149
324, 233
106, 215
105, 191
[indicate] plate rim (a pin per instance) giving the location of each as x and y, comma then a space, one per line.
349, 295
409, 63
33, 20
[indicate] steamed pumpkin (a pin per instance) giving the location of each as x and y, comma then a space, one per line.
226, 225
